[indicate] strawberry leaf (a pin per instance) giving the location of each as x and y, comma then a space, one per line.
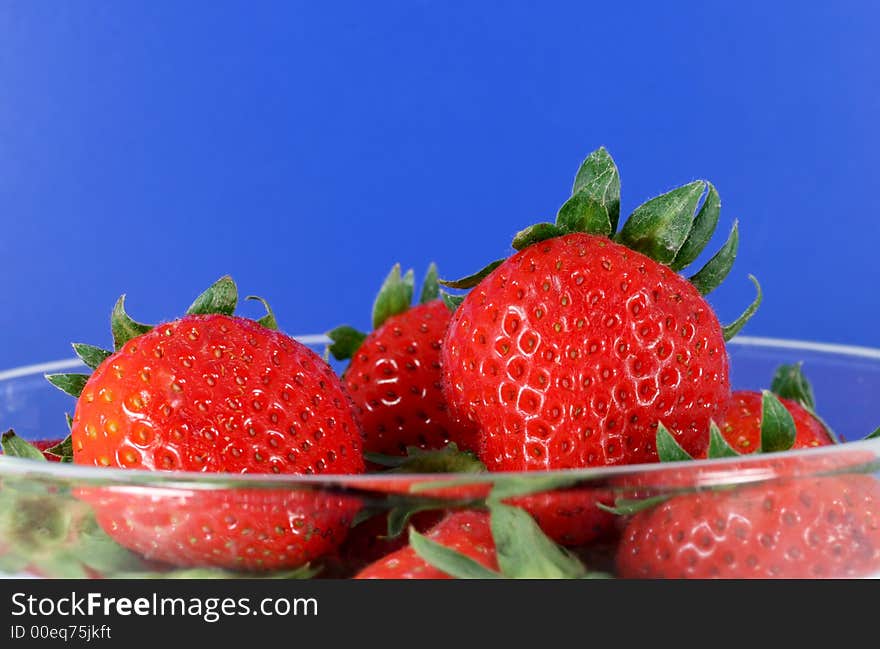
710, 276
731, 330
594, 206
431, 285
394, 297
452, 302
452, 562
668, 449
718, 446
524, 551
72, 384
63, 450
123, 327
535, 234
90, 355
220, 298
659, 227
15, 446
701, 232
267, 320
472, 280
778, 431
874, 435
346, 341
789, 382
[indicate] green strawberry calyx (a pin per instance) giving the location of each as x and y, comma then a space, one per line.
672, 229
394, 297
221, 298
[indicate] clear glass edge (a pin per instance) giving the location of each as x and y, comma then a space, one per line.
17, 467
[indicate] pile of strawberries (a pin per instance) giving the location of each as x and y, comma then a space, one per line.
584, 348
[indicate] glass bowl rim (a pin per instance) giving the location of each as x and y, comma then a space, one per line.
23, 468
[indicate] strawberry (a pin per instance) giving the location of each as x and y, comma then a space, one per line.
466, 532
505, 542
780, 425
791, 528
568, 353
740, 423
394, 376
237, 529
212, 392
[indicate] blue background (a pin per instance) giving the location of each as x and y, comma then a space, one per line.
149, 148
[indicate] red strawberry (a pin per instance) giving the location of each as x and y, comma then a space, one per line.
394, 376
466, 532
569, 353
242, 529
211, 392
740, 423
216, 393
793, 528
505, 542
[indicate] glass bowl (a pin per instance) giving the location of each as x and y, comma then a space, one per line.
810, 513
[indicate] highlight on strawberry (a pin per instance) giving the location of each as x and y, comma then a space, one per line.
568, 353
